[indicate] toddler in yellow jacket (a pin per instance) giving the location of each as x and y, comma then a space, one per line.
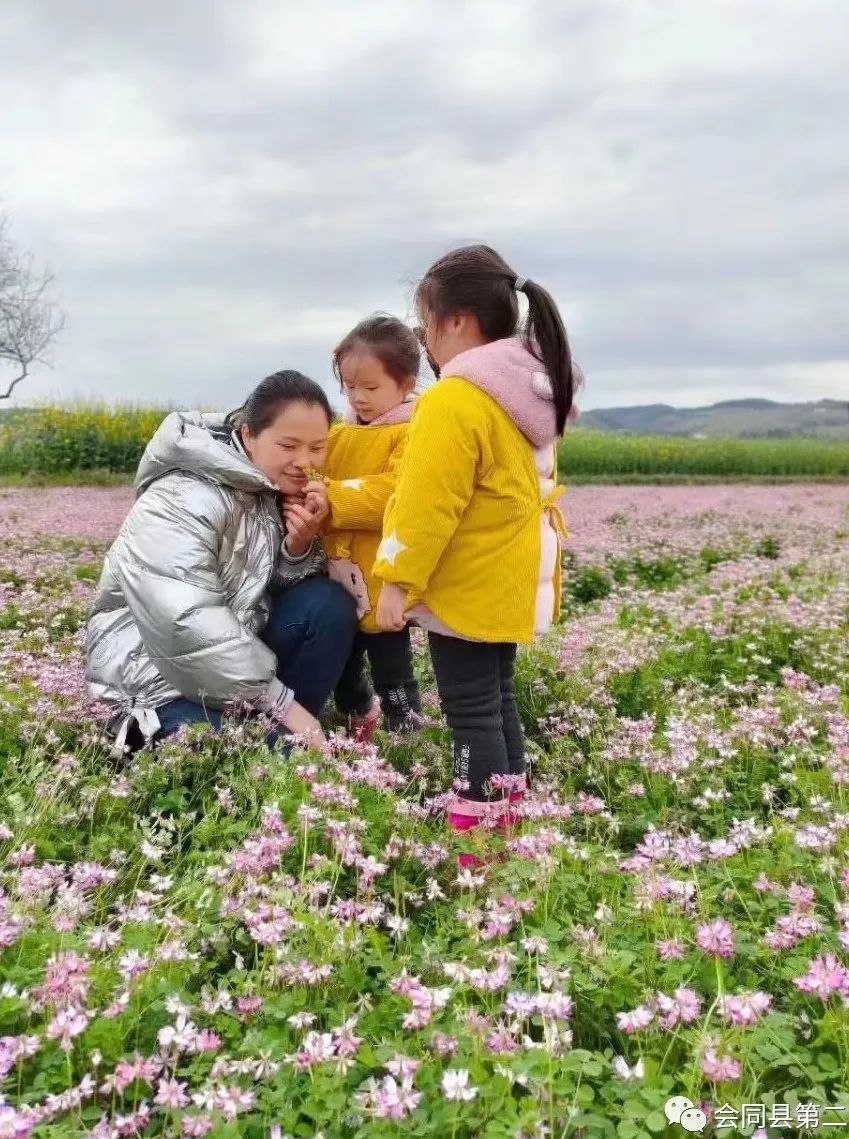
471, 547
377, 366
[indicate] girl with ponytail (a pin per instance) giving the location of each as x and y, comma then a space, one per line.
471, 536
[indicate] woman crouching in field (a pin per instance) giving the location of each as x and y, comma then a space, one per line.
213, 593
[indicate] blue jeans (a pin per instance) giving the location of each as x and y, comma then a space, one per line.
310, 630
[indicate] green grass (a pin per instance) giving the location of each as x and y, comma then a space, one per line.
67, 478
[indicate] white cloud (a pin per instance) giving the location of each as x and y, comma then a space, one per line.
223, 190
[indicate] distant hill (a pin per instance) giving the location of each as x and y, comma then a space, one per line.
744, 418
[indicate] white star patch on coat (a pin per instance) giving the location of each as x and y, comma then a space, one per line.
352, 484
390, 548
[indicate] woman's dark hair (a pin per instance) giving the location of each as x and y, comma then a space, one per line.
389, 339
272, 395
477, 280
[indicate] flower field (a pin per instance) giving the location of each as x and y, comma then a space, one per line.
214, 940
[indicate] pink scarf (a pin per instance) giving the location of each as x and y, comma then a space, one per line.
399, 414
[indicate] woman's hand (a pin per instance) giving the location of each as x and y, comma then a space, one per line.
390, 608
302, 723
302, 526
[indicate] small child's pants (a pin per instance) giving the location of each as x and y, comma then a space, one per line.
391, 659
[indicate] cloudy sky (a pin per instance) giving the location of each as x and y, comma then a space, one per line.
223, 187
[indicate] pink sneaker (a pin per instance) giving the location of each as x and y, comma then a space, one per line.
363, 726
461, 822
464, 814
467, 816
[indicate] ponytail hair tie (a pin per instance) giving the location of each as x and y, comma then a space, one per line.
520, 284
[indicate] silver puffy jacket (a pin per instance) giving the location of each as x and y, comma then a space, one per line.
184, 591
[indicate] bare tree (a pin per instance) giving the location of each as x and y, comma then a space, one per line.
29, 318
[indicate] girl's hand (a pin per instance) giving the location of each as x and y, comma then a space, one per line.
315, 498
390, 608
302, 525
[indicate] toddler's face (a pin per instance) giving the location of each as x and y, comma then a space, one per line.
370, 390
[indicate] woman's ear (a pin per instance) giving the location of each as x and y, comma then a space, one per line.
245, 439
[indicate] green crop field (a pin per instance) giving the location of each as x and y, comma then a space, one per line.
601, 454
58, 440
100, 443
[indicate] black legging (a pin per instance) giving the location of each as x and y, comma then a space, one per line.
475, 682
391, 659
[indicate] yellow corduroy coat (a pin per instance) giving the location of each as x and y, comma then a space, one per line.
361, 469
462, 530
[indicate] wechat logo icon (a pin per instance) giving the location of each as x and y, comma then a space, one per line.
684, 1112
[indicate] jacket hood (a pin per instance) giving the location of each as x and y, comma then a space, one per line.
199, 444
517, 381
507, 372
399, 414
